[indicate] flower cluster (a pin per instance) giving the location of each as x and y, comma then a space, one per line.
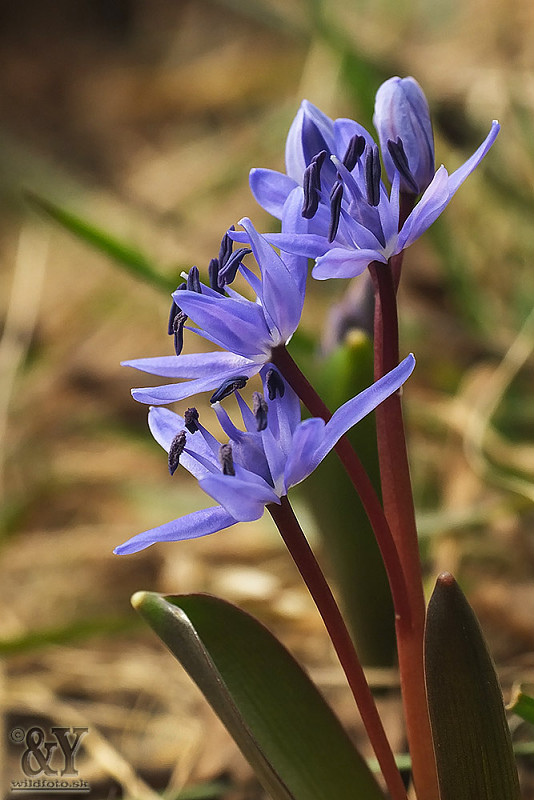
256, 466
334, 208
332, 202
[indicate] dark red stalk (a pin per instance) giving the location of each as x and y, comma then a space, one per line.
360, 480
314, 579
399, 510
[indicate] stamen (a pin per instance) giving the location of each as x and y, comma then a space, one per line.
191, 419
336, 196
213, 272
226, 459
175, 310
372, 176
175, 451
178, 330
193, 280
312, 185
225, 250
228, 272
259, 409
275, 384
400, 161
227, 388
354, 150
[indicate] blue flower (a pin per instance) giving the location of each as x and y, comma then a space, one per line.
402, 115
332, 202
258, 465
246, 330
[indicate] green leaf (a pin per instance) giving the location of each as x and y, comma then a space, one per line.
523, 706
276, 715
471, 736
123, 254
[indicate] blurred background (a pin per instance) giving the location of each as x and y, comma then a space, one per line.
145, 118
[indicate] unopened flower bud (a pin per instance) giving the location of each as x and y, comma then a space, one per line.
402, 117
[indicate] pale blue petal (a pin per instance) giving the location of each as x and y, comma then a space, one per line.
281, 296
173, 392
194, 365
293, 222
244, 499
165, 424
239, 326
344, 130
358, 407
427, 210
343, 263
458, 177
295, 163
270, 189
310, 245
303, 459
199, 523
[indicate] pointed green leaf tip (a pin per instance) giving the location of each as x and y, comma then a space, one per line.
471, 736
280, 721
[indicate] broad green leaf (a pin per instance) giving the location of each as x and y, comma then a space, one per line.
276, 715
523, 706
346, 535
122, 253
471, 736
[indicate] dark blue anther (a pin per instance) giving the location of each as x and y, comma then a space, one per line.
225, 250
311, 184
178, 330
398, 156
372, 175
226, 459
175, 451
259, 409
213, 272
354, 150
275, 384
228, 271
191, 419
175, 310
228, 387
193, 280
336, 196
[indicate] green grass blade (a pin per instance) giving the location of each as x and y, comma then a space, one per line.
123, 254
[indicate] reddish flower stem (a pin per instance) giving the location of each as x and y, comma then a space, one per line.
399, 510
314, 579
360, 480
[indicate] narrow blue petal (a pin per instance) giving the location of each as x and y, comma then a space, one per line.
344, 130
427, 210
303, 459
239, 326
344, 263
173, 392
281, 296
199, 523
310, 245
295, 163
194, 365
244, 499
293, 222
270, 189
358, 407
165, 424
458, 177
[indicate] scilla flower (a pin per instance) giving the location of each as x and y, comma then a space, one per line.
256, 466
332, 202
246, 330
402, 118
